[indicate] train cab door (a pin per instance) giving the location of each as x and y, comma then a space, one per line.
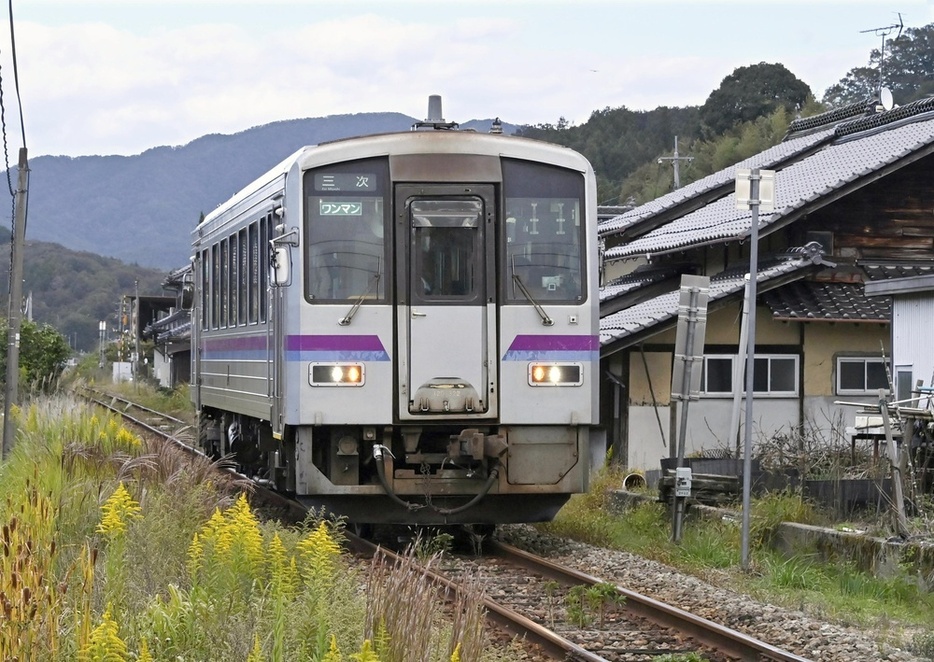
446, 324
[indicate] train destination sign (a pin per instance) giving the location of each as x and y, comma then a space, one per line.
345, 181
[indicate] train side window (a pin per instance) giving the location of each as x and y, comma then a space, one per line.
544, 235
234, 279
253, 285
205, 289
215, 286
243, 275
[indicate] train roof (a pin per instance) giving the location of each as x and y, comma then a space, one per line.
408, 142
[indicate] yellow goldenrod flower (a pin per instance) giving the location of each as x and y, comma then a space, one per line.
144, 654
282, 570
334, 653
256, 655
128, 439
366, 654
456, 655
319, 553
105, 644
117, 510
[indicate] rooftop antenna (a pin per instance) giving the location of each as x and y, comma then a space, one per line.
884, 32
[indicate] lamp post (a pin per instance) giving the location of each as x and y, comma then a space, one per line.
755, 190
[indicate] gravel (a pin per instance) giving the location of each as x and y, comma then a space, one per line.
796, 631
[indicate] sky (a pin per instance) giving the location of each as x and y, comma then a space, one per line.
122, 76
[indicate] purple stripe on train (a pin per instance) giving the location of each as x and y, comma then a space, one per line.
553, 348
334, 348
238, 348
297, 348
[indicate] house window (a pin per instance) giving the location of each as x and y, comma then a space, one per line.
860, 375
775, 375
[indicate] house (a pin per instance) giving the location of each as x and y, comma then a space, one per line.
171, 332
912, 299
853, 203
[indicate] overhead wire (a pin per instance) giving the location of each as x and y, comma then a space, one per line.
3, 129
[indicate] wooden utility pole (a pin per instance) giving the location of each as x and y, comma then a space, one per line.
11, 393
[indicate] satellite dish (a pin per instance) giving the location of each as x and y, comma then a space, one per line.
885, 98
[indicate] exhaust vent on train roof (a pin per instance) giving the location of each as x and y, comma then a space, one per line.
434, 120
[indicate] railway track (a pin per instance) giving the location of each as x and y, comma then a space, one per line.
636, 627
183, 436
525, 598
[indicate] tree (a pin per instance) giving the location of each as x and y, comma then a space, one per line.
907, 70
42, 356
752, 92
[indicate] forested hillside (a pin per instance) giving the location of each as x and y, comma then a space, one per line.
749, 111
73, 291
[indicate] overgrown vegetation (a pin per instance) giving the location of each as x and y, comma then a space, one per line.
839, 590
117, 550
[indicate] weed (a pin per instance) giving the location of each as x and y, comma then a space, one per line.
922, 643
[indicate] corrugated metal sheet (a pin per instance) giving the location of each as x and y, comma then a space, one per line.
912, 326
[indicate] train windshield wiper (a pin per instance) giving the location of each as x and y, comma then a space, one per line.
546, 320
348, 318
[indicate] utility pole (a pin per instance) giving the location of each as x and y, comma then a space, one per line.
11, 393
675, 161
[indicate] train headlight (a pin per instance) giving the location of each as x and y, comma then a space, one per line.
336, 374
556, 374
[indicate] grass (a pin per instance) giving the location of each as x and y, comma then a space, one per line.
115, 549
836, 591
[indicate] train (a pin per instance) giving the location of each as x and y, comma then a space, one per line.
402, 328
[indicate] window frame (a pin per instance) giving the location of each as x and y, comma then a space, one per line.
839, 390
766, 356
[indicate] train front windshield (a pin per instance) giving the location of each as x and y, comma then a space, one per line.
346, 219
348, 244
544, 233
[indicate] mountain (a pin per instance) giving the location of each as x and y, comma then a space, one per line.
74, 290
142, 209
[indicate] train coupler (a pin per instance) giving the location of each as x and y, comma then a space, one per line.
473, 443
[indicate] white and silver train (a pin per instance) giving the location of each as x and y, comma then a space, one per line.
403, 328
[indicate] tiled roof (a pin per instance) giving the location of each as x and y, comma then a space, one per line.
174, 327
641, 277
176, 278
828, 302
811, 180
628, 326
770, 158
883, 270
832, 117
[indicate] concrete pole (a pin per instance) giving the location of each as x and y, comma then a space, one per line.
11, 393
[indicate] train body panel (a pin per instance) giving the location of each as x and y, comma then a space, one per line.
403, 328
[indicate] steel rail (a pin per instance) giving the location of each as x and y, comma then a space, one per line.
100, 398
553, 644
718, 637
